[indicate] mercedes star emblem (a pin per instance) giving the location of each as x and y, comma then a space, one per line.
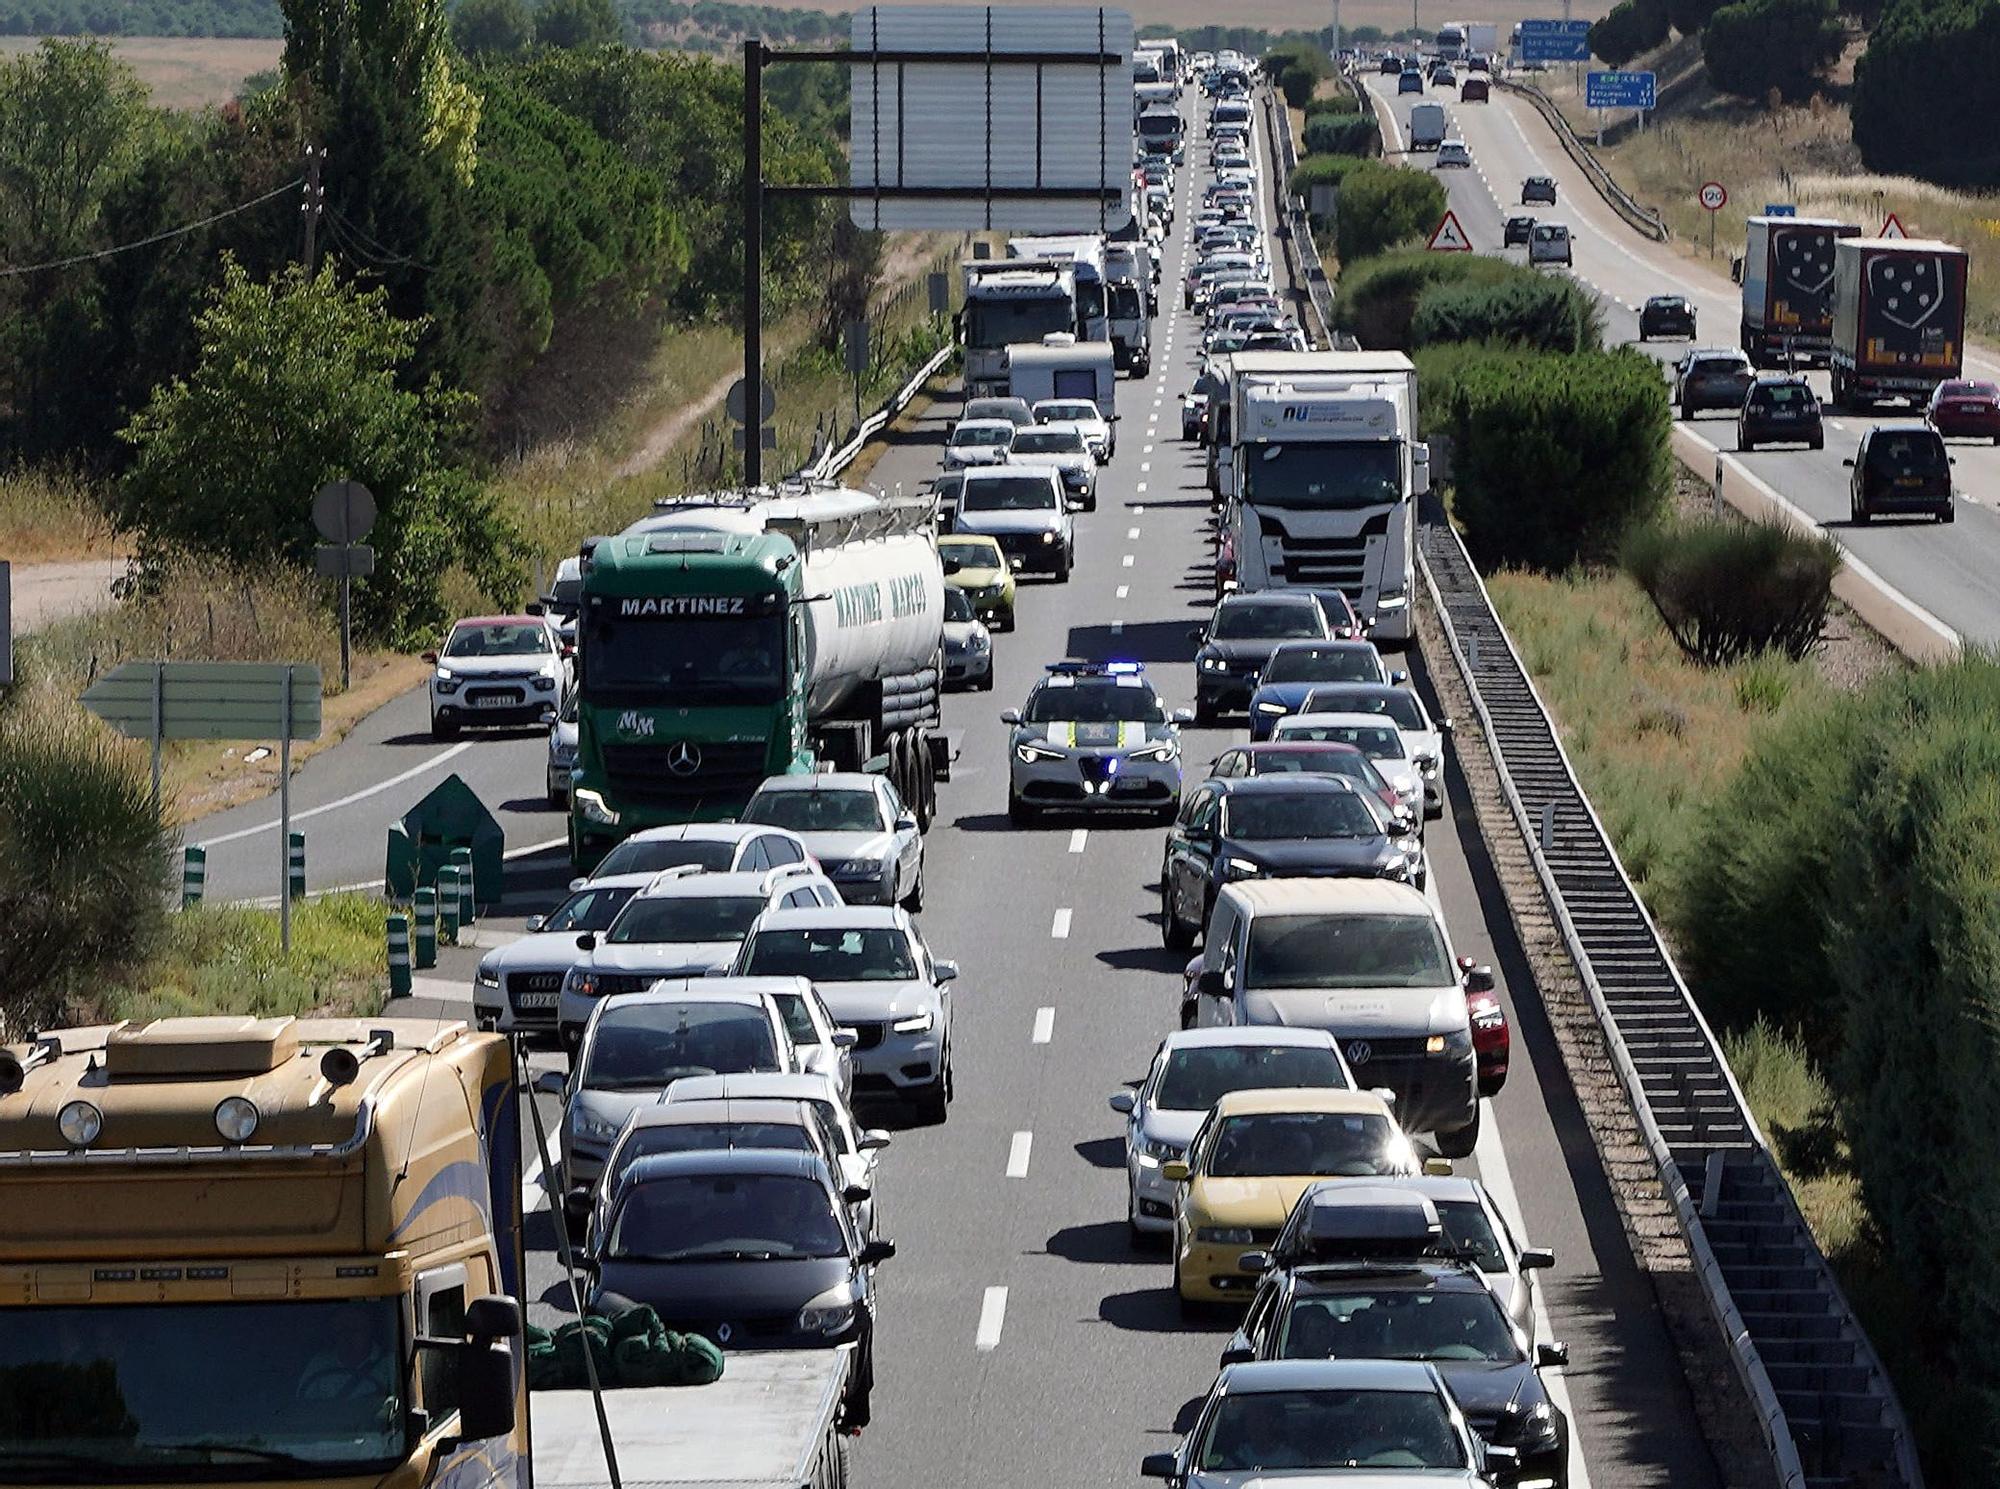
1360, 1052
684, 757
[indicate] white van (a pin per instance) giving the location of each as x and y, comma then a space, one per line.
1367, 960
1548, 243
1063, 367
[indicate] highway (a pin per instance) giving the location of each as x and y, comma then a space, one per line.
1951, 572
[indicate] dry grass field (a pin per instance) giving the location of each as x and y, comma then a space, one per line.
183, 72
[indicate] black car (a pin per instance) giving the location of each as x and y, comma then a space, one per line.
1275, 826
1900, 468
1239, 639
1389, 66
1539, 189
1385, 1284
1712, 379
1778, 410
1517, 232
1666, 315
752, 1248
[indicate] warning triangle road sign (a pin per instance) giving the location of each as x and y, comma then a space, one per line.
1892, 228
1449, 237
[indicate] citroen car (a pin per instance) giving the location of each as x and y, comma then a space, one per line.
1093, 736
497, 669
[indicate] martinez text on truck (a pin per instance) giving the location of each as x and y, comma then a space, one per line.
730, 638
1788, 289
1898, 319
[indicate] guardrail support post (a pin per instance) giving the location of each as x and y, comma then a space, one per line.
424, 910
194, 874
1711, 1185
1548, 827
398, 925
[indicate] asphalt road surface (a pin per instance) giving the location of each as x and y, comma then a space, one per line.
1952, 572
1023, 1341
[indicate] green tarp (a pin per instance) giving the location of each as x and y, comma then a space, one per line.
632, 1348
452, 816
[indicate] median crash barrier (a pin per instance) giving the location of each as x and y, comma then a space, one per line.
398, 926
194, 874
461, 859
422, 840
424, 918
448, 903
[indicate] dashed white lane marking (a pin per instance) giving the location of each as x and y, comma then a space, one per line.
1126, 561
1078, 838
1018, 1152
992, 1318
1124, 590
1059, 927
1836, 424
1157, 402
534, 1193
1131, 532
1045, 1026
1138, 510
1141, 487
1147, 451
1145, 465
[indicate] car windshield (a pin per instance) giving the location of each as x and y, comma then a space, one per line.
957, 606
1784, 395
707, 1137
104, 1393
970, 555
1010, 494
1350, 763
1327, 1145
1266, 817
712, 659
992, 434
1095, 703
827, 810
1467, 1228
685, 919
991, 323
1197, 1077
1082, 411
1050, 441
649, 1046
1256, 620
1324, 664
524, 640
651, 855
726, 1217
1270, 1431
1400, 1324
1397, 704
831, 954
589, 909
1346, 951
1311, 476
1383, 743
994, 408
1904, 456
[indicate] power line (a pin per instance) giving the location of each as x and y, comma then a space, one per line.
383, 254
175, 232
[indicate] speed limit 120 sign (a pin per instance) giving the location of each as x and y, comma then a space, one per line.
1713, 195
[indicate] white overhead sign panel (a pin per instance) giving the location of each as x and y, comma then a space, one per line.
970, 117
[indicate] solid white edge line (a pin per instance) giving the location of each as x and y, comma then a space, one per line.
992, 1318
1045, 1026
1018, 1153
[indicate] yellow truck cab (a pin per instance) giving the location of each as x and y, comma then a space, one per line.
261, 1251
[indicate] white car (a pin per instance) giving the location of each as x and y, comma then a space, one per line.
1191, 1070
497, 669
866, 840
684, 923
968, 645
1376, 737
1085, 415
717, 847
878, 978
562, 753
1064, 448
978, 442
518, 985
1453, 152
1423, 738
1025, 512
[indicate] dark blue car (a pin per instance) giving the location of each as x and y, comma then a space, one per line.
1297, 667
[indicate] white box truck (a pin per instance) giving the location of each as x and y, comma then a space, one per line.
1063, 367
1009, 301
1085, 253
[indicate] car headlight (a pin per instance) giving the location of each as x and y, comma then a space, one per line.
446, 681
832, 1312
1458, 1042
1028, 754
1223, 1235
916, 1023
1048, 537
1273, 709
1241, 868
1156, 1150
595, 808
488, 977
1391, 599
978, 641
587, 1124
563, 755
1212, 664
580, 982
545, 681
1165, 750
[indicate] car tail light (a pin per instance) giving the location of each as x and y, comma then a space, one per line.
1491, 1040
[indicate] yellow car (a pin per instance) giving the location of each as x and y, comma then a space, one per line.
1251, 1160
976, 565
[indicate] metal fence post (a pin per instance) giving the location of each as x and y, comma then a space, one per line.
295, 865
194, 874
424, 911
398, 925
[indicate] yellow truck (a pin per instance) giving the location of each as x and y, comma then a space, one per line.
238, 1250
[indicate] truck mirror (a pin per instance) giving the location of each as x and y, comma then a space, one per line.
485, 1389
494, 1316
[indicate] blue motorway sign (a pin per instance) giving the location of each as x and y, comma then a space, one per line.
1555, 41
1618, 90
1780, 209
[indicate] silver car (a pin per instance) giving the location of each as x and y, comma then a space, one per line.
1191, 1071
518, 986
866, 840
879, 979
968, 645
1063, 449
1022, 509
562, 753
1093, 736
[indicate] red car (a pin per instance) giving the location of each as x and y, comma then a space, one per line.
1964, 409
1491, 1037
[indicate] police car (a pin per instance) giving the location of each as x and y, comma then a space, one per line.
1094, 735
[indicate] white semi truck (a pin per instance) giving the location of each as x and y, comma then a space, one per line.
1326, 471
1085, 252
1009, 301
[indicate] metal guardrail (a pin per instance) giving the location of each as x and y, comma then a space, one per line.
833, 460
1621, 201
1301, 252
1826, 1409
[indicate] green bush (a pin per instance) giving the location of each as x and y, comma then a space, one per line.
1382, 206
1343, 134
1689, 16
1376, 299
1731, 590
84, 866
1553, 458
1758, 45
1927, 90
1632, 27
1336, 104
1297, 69
1539, 312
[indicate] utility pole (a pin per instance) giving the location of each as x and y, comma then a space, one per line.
1336, 35
753, 262
312, 206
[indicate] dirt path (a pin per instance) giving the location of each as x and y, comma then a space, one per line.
46, 593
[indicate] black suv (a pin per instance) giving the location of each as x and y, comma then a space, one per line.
1780, 410
1539, 189
1517, 232
1900, 468
1666, 315
1712, 379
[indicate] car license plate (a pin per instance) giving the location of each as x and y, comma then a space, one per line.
496, 700
535, 1000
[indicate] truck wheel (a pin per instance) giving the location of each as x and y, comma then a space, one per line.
1460, 1141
